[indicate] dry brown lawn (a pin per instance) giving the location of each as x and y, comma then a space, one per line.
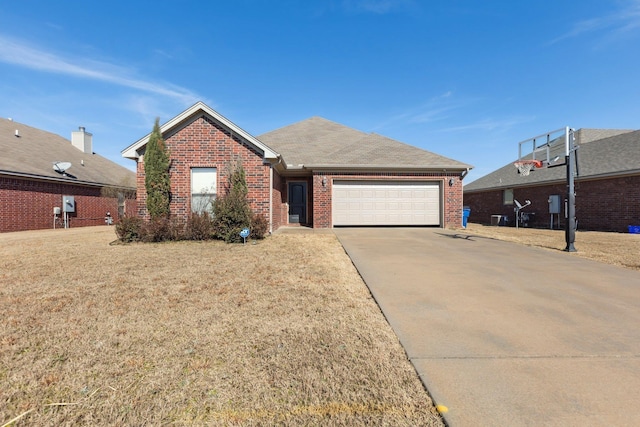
281, 332
621, 249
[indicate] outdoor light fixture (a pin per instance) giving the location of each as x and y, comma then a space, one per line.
451, 182
324, 181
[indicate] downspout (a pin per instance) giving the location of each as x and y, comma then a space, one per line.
463, 174
270, 199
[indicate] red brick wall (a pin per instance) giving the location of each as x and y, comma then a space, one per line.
279, 201
451, 201
608, 205
203, 143
601, 205
485, 204
141, 192
28, 204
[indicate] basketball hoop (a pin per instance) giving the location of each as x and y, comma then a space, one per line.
526, 166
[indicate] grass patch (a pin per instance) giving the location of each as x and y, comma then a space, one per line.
280, 332
619, 249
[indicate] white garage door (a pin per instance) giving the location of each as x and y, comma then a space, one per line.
385, 203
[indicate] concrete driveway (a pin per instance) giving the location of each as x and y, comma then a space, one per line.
504, 334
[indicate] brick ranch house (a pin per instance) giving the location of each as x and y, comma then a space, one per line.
31, 185
315, 173
607, 186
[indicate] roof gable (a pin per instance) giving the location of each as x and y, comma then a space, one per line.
32, 152
320, 143
197, 110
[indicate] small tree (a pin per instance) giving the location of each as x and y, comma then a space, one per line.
157, 181
231, 212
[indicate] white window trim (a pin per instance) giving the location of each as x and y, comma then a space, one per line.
206, 178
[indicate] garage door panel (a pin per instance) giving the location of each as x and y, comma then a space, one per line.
386, 203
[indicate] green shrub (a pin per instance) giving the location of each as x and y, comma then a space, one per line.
231, 212
156, 180
129, 229
161, 230
199, 227
259, 226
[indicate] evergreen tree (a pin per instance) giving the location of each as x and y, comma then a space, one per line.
231, 212
156, 180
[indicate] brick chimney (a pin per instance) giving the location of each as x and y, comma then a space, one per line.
82, 140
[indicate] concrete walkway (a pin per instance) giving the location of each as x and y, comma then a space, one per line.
504, 334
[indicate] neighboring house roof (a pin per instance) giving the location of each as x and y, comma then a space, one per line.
31, 153
135, 150
318, 143
611, 156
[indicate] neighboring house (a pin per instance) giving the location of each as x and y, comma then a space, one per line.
607, 185
316, 172
40, 171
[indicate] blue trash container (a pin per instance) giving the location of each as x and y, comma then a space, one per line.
466, 211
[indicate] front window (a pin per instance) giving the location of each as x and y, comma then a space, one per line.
203, 189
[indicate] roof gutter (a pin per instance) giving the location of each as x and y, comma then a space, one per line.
62, 180
437, 168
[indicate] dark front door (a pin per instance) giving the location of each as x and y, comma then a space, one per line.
297, 202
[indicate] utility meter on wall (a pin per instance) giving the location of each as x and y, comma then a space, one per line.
554, 204
68, 204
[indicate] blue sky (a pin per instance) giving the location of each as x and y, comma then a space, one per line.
465, 79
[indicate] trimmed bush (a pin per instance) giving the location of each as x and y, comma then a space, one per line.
199, 227
161, 230
259, 226
129, 229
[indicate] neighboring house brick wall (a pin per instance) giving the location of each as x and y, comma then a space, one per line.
487, 203
610, 204
203, 143
451, 203
28, 204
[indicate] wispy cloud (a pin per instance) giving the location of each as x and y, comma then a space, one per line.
434, 109
617, 24
22, 54
447, 113
490, 125
379, 7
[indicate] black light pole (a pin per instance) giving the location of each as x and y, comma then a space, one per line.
570, 200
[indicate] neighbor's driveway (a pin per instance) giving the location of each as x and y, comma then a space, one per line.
504, 334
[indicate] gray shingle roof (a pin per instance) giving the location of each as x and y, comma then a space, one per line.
32, 154
597, 157
321, 143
